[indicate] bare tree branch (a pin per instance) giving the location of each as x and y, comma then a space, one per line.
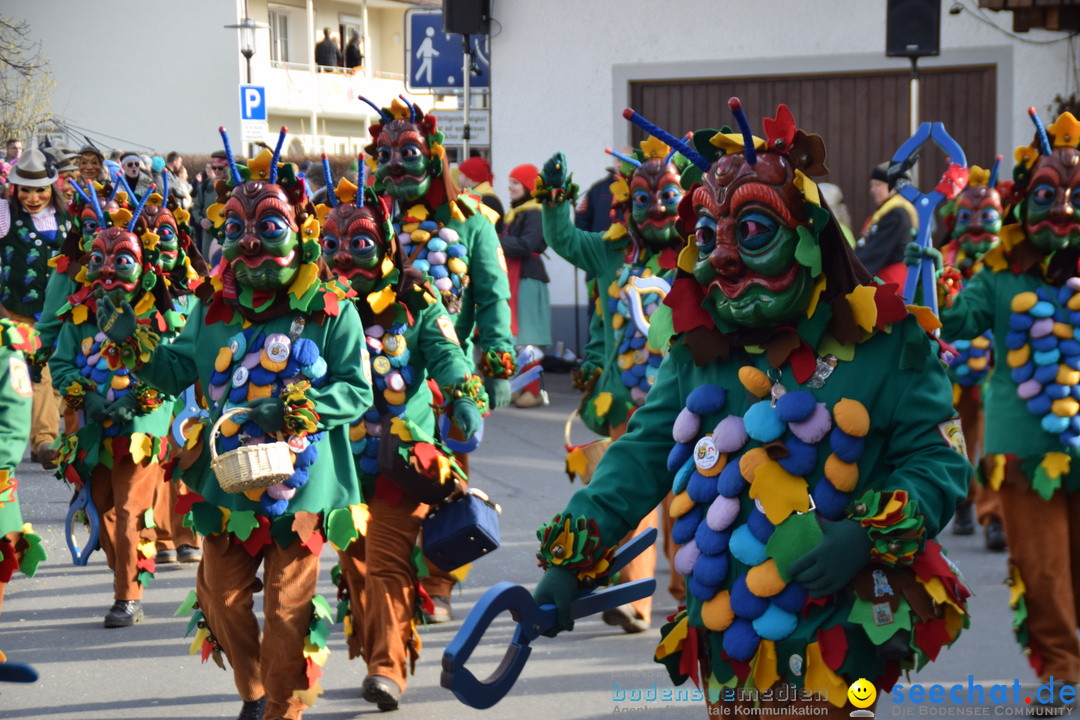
26, 81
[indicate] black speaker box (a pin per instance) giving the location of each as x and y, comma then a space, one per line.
466, 17
912, 28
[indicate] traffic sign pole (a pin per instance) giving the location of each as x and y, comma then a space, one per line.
467, 69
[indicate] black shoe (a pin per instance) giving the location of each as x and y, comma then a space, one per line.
165, 557
964, 521
124, 613
188, 554
995, 535
253, 709
382, 691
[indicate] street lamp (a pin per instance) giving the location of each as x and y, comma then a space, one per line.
247, 28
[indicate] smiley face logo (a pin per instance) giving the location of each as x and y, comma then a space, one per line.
862, 693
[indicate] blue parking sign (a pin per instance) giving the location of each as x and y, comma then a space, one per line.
434, 60
252, 102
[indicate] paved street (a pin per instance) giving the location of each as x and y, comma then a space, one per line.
53, 621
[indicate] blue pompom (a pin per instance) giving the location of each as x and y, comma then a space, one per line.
711, 542
1015, 340
456, 250
710, 570
1023, 373
706, 399
744, 603
795, 406
746, 548
1055, 391
683, 476
304, 351
802, 457
218, 378
701, 489
298, 479
1047, 357
368, 465
683, 529
292, 369
759, 525
730, 481
740, 640
273, 507
260, 376
1044, 344
776, 624
238, 395
846, 447
1073, 361
1046, 374
830, 502
439, 272
229, 443
791, 598
699, 589
307, 457
1039, 405
1042, 309
1020, 321
1074, 319
762, 422
678, 455
1055, 424
1069, 346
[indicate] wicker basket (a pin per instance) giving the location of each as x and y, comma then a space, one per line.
593, 450
249, 467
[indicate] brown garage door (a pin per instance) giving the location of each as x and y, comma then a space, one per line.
863, 117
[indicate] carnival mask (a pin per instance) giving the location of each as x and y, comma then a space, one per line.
261, 243
115, 263
978, 220
353, 243
1049, 210
654, 202
746, 235
161, 222
89, 167
403, 160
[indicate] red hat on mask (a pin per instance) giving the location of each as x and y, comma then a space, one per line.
526, 175
476, 169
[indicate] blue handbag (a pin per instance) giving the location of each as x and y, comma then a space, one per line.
462, 530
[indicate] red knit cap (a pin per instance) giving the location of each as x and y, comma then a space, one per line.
476, 169
526, 175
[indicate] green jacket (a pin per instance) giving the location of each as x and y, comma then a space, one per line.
332, 483
58, 289
16, 397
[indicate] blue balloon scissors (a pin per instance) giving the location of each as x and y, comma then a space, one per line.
82, 502
925, 203
533, 621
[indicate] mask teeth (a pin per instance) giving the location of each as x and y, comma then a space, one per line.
233, 170
277, 154
625, 158
139, 209
994, 171
1044, 142
331, 194
688, 152
744, 128
383, 115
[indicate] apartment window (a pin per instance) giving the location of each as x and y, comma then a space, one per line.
279, 36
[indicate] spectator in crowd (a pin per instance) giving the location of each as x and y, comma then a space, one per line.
135, 175
354, 57
178, 179
475, 174
12, 149
203, 196
91, 164
327, 51
888, 230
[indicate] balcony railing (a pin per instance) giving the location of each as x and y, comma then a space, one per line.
294, 87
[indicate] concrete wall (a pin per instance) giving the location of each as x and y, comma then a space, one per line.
561, 69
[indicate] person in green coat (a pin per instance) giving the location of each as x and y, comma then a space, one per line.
276, 341
805, 426
410, 338
1026, 295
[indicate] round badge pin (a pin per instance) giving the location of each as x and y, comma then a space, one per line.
381, 365
705, 454
240, 377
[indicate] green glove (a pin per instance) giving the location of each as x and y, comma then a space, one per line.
467, 416
498, 391
94, 406
554, 174
267, 413
914, 253
118, 324
558, 587
124, 409
842, 553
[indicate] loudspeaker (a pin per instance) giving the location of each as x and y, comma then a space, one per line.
913, 28
466, 17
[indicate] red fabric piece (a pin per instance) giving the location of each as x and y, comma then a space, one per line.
1035, 659
426, 603
890, 306
72, 476
742, 669
834, 646
893, 274
931, 563
685, 301
803, 362
62, 263
886, 680
147, 564
782, 127
9, 562
207, 648
387, 490
819, 601
219, 311
261, 297
437, 397
931, 636
312, 671
513, 274
428, 456
689, 662
314, 542
121, 448
185, 501
330, 303
259, 537
669, 258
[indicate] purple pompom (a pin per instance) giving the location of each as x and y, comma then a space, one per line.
722, 513
685, 558
730, 434
815, 427
686, 426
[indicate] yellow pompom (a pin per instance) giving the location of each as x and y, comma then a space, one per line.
617, 321
419, 236
1073, 303
357, 432
764, 580
254, 495
119, 382
457, 265
87, 345
394, 397
978, 364
982, 342
680, 505
1022, 302
1067, 376
755, 381
717, 613
852, 418
1063, 331
274, 367
255, 392
1065, 407
224, 360
1019, 356
614, 291
844, 476
721, 463
751, 461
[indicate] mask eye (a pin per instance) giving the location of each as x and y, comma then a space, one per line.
361, 245
411, 152
233, 229
705, 234
671, 195
754, 231
1074, 198
641, 198
1043, 195
125, 262
990, 216
165, 232
383, 155
97, 259
330, 244
963, 217
272, 228
90, 226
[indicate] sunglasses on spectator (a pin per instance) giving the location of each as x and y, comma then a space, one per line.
131, 164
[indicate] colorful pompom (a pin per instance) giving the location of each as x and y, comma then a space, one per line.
815, 427
685, 557
730, 434
762, 422
740, 640
775, 623
722, 513
706, 399
795, 406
